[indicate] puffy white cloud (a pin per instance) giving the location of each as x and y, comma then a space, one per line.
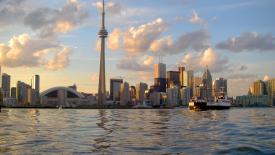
143, 64
27, 51
195, 18
147, 38
139, 39
114, 42
249, 41
198, 61
60, 60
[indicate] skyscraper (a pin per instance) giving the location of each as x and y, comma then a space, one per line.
6, 81
186, 78
172, 78
36, 83
140, 91
102, 83
124, 94
219, 85
160, 77
181, 75
22, 92
35, 89
207, 83
115, 88
271, 89
258, 88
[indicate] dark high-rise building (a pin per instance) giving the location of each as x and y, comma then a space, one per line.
172, 78
13, 92
6, 81
115, 88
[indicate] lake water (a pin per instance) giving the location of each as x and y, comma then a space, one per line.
174, 131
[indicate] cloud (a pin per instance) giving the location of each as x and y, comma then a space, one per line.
27, 51
114, 39
11, 11
50, 22
60, 60
144, 63
195, 18
139, 39
196, 40
243, 68
147, 38
198, 61
249, 41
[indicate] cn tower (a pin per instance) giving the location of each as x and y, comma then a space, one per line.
102, 83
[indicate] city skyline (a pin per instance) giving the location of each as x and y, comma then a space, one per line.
62, 52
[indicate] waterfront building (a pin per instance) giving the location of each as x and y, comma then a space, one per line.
140, 91
271, 89
219, 85
22, 93
103, 34
200, 91
133, 93
63, 97
173, 96
185, 95
172, 78
160, 77
258, 88
6, 81
35, 85
186, 78
207, 83
124, 94
181, 75
252, 100
13, 92
115, 89
155, 98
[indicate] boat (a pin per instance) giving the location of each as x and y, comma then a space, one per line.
220, 103
197, 104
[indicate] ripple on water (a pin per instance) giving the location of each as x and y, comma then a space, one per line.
241, 150
43, 131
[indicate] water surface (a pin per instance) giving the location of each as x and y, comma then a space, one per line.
175, 131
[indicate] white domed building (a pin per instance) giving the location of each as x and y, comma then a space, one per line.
63, 97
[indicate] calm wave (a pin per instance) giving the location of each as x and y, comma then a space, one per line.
70, 131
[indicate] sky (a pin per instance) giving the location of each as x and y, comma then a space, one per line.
58, 40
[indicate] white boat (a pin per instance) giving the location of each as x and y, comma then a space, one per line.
220, 103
